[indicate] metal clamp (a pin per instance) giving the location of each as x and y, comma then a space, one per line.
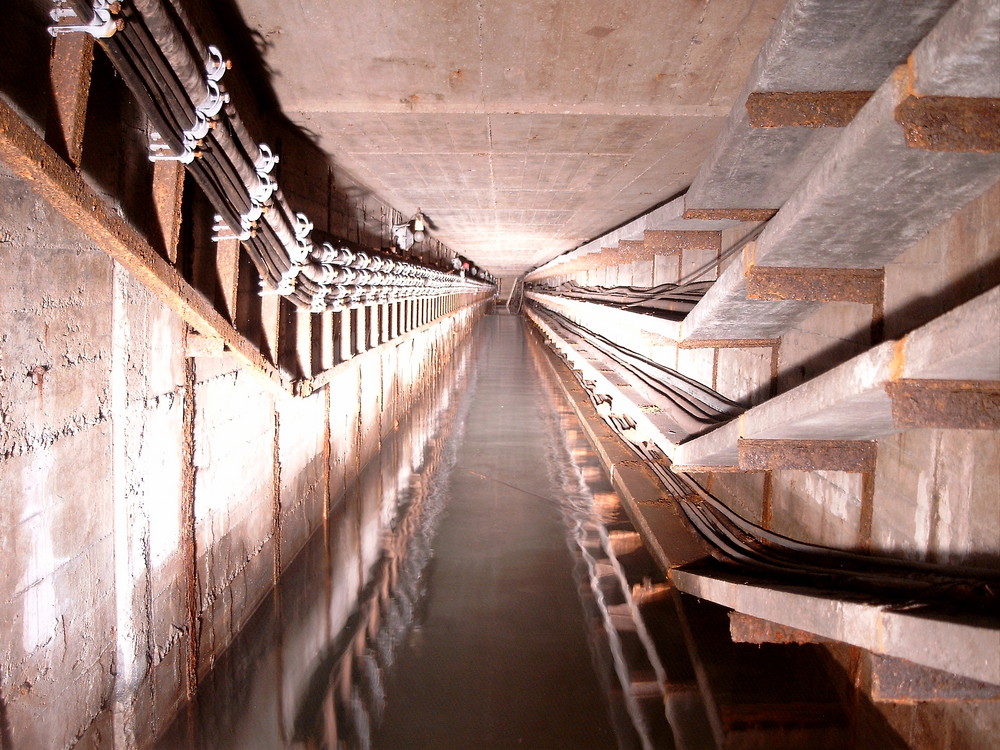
104, 24
266, 161
261, 193
216, 65
224, 232
319, 300
302, 226
285, 286
214, 99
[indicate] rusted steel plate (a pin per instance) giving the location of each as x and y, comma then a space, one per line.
745, 628
168, 193
69, 71
804, 109
666, 241
950, 123
863, 285
807, 455
727, 343
945, 404
902, 681
733, 214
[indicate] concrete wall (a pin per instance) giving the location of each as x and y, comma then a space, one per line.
149, 497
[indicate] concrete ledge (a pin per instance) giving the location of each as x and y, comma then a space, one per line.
872, 195
862, 41
612, 319
967, 648
852, 402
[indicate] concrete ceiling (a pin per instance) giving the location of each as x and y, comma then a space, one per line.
521, 128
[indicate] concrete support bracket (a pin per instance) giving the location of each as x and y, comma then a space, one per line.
965, 647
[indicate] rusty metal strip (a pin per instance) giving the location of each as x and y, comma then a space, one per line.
27, 155
744, 628
950, 123
667, 241
705, 468
804, 109
807, 455
863, 285
189, 532
69, 71
732, 214
727, 343
867, 514
945, 404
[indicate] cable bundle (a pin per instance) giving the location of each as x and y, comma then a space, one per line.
178, 82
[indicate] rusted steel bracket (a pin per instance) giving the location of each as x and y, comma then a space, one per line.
69, 70
815, 284
807, 455
901, 681
945, 404
732, 214
804, 109
950, 123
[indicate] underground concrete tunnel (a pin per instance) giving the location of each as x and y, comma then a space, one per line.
528, 374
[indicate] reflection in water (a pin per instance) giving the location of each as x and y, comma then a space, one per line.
319, 664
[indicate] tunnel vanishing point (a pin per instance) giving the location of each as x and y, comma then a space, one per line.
307, 308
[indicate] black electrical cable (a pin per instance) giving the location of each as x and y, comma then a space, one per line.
751, 550
694, 413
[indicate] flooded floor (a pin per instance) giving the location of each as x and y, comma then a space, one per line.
452, 600
500, 657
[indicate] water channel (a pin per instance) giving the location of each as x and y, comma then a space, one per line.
465, 569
